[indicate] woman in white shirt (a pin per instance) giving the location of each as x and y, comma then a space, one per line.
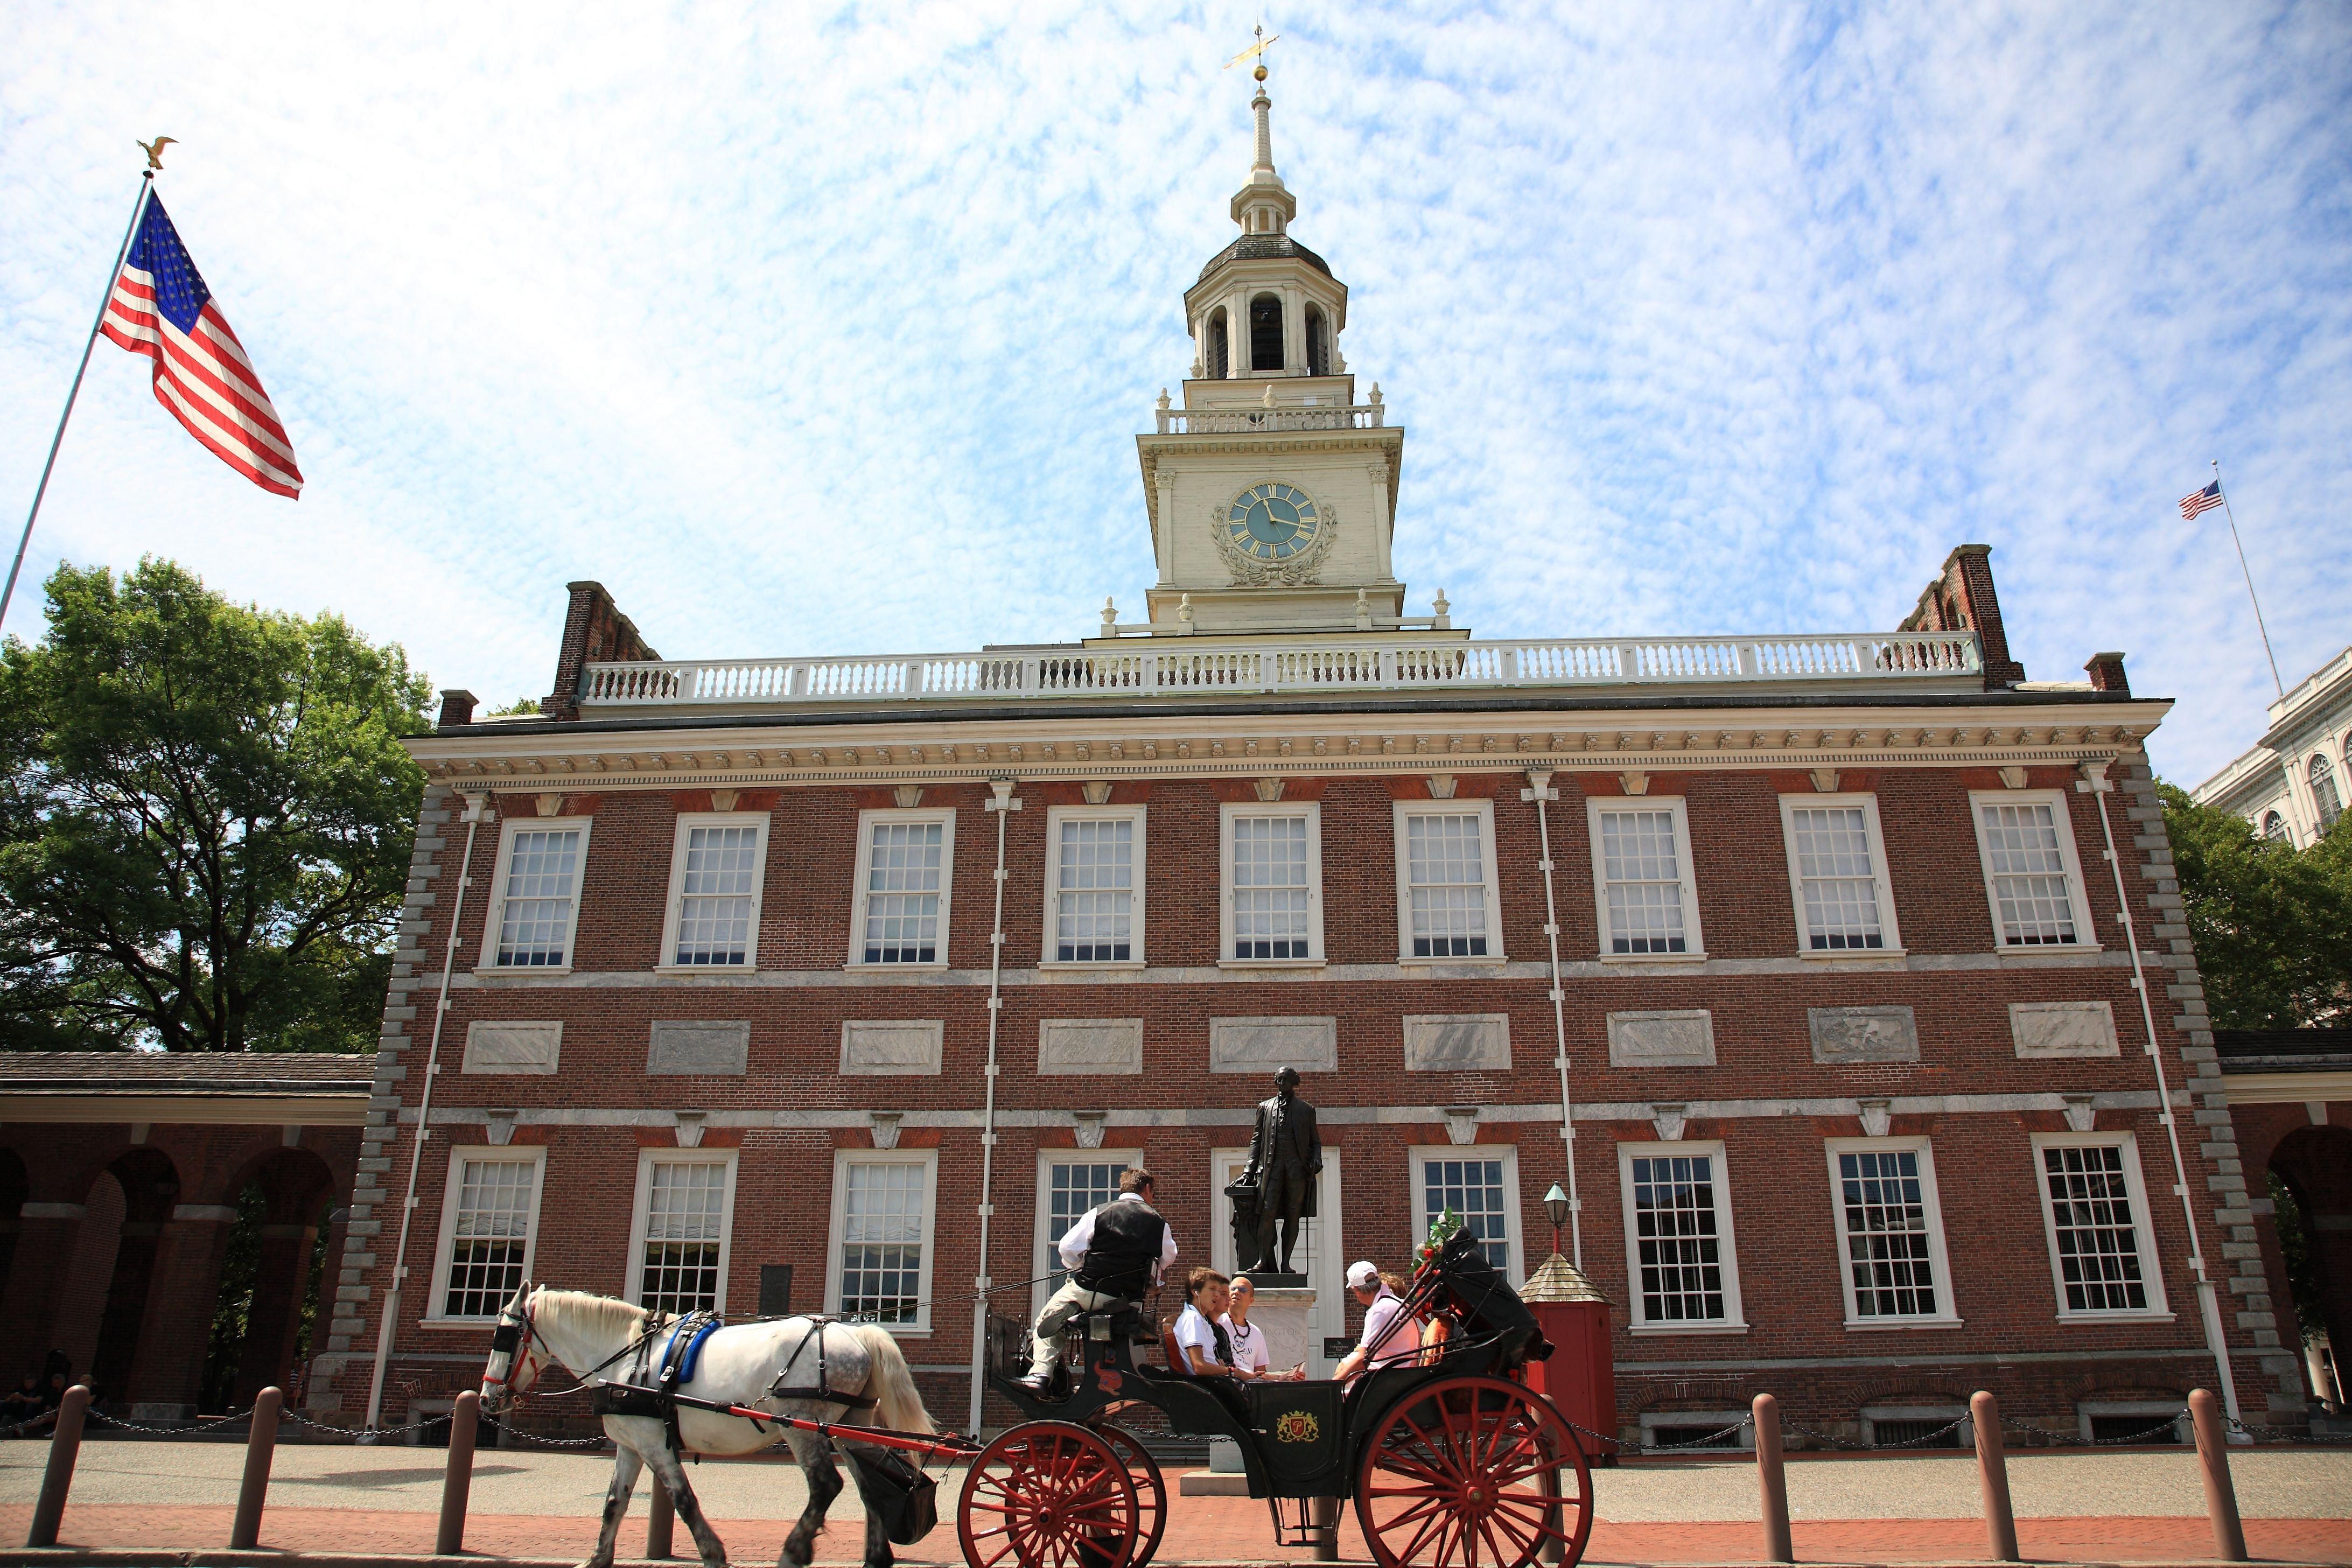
1251, 1359
1201, 1338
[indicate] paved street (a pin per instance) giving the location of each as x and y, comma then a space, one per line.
2106, 1506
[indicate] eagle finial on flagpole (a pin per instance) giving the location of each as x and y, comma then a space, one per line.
154, 150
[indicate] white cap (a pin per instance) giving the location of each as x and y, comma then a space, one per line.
1362, 1275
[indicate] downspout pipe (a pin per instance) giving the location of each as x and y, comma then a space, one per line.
476, 813
2098, 786
1003, 805
1540, 792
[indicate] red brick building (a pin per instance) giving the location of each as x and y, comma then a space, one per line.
788, 980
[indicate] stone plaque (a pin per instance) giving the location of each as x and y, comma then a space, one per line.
1072, 1045
1682, 1038
1847, 1034
1457, 1042
507, 1048
699, 1049
1261, 1045
892, 1047
2063, 1028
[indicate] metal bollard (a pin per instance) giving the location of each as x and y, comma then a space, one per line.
65, 1446
459, 1478
1772, 1480
661, 1519
260, 1447
1325, 1512
1992, 1475
2221, 1496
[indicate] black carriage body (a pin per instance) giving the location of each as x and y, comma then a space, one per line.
1296, 1439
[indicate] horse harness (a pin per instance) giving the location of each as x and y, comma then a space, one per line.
653, 1390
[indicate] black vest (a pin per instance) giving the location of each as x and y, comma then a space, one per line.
1124, 1250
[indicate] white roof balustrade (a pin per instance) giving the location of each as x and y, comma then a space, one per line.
1180, 667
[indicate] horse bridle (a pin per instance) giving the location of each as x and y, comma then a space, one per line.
513, 1336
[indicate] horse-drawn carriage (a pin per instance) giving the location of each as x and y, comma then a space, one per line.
1452, 1459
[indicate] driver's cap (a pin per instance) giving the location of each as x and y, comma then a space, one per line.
1362, 1275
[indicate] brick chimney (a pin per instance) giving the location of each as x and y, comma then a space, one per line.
1961, 598
456, 707
594, 632
2106, 671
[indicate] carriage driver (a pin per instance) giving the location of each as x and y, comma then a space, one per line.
1115, 1253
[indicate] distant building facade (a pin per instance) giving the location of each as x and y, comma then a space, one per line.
844, 985
2293, 784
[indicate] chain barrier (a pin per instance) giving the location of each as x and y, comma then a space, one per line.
176, 1430
523, 1437
43, 1419
1923, 1440
2044, 1437
2277, 1433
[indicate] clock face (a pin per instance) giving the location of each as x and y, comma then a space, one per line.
1272, 521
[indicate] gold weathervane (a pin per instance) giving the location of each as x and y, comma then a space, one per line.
154, 150
1256, 51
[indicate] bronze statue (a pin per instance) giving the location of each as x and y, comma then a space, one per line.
1285, 1158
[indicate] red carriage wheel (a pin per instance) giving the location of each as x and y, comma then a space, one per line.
1049, 1494
1472, 1472
1151, 1491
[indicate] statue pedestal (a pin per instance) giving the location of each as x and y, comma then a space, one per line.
1283, 1314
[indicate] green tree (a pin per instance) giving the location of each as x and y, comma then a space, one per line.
2272, 924
206, 821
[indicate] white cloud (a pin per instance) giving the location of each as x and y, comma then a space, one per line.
829, 331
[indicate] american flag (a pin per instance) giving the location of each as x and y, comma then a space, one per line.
2205, 499
160, 308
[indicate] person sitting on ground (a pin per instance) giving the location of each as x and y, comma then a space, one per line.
24, 1401
1251, 1358
1115, 1253
1389, 1338
1200, 1336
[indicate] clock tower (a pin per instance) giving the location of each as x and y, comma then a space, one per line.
1272, 489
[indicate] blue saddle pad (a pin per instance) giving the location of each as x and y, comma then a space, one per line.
686, 1363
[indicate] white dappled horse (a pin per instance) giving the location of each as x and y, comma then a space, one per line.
594, 1336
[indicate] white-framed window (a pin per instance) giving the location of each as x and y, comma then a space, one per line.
2325, 799
1094, 885
1642, 877
1680, 1254
1271, 874
1837, 875
489, 1225
678, 1238
1481, 1183
2094, 1212
1070, 1182
906, 871
534, 909
880, 1268
1449, 909
2026, 841
1890, 1233
716, 870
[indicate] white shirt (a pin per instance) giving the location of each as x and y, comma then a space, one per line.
1389, 1339
1249, 1344
1073, 1246
1194, 1332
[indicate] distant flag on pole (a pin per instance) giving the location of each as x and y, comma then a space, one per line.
2205, 499
160, 308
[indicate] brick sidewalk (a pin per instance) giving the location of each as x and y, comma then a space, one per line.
1202, 1530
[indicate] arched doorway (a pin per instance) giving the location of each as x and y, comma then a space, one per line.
2311, 1185
150, 1186
270, 1278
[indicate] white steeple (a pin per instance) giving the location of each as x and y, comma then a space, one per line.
1265, 206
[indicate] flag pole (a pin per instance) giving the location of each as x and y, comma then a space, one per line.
146, 183
2250, 579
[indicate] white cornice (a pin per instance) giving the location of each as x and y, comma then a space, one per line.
2287, 1087
972, 746
347, 1109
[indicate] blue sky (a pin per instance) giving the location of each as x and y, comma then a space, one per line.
828, 330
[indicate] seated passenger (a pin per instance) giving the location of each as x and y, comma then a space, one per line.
1390, 1337
1250, 1357
1200, 1339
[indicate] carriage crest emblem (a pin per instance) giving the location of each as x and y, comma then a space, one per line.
1297, 1426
